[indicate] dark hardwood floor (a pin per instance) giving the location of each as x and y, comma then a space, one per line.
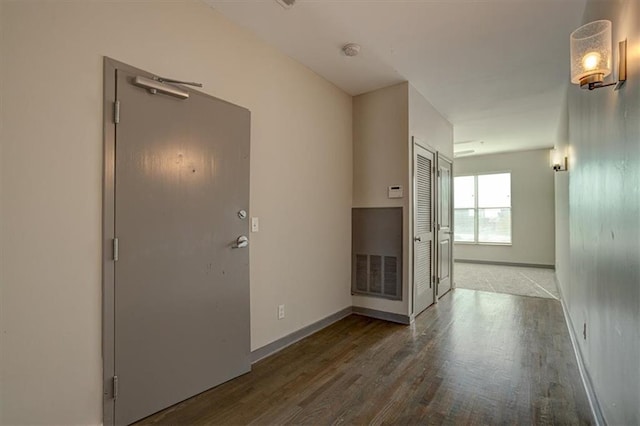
474, 358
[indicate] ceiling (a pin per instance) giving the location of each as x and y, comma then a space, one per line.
496, 69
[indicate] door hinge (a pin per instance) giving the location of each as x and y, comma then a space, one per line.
115, 387
116, 112
115, 249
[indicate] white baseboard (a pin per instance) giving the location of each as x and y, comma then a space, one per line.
596, 411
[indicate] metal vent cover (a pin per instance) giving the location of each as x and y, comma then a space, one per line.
391, 283
375, 274
377, 252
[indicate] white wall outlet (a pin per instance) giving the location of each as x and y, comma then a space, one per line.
255, 224
280, 312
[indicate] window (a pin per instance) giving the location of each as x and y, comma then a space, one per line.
483, 208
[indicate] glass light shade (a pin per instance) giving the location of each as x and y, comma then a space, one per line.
591, 52
558, 159
555, 157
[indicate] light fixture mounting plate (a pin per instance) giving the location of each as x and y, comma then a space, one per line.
287, 4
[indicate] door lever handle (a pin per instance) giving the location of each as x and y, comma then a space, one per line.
417, 239
241, 242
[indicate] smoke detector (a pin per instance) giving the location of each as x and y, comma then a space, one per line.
351, 49
287, 4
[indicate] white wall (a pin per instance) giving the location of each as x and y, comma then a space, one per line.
602, 286
51, 176
380, 126
532, 207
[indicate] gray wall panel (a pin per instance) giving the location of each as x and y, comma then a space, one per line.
377, 234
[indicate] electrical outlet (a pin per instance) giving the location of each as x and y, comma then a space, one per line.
584, 331
280, 312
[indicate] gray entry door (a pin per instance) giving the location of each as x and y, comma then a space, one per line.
423, 216
444, 218
181, 288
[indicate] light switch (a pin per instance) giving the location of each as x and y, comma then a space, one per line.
255, 224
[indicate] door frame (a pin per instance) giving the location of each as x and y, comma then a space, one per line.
416, 141
440, 157
110, 66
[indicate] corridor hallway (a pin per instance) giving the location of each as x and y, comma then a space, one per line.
474, 358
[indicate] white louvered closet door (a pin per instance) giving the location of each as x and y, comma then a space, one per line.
423, 167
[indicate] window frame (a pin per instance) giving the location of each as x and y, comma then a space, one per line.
475, 208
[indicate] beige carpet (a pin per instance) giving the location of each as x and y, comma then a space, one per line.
536, 282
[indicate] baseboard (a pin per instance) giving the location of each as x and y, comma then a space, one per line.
292, 338
387, 316
596, 411
491, 262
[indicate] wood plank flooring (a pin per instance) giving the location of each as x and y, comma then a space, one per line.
474, 358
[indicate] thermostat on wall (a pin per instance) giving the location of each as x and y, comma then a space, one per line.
395, 191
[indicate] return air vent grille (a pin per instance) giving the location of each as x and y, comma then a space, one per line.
376, 252
377, 275
391, 282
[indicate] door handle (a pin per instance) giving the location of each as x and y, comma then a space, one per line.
418, 239
241, 242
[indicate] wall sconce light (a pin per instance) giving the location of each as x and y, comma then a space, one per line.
559, 160
591, 56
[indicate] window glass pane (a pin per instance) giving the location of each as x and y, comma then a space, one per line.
494, 190
494, 225
463, 192
464, 225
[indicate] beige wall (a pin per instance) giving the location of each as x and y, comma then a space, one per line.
601, 285
532, 207
383, 123
428, 125
432, 129
380, 126
51, 175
